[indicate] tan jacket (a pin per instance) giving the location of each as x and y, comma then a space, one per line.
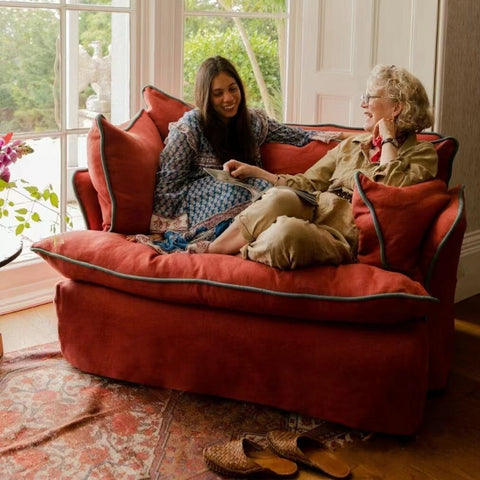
416, 162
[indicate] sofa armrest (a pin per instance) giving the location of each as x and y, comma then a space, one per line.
87, 199
440, 257
441, 248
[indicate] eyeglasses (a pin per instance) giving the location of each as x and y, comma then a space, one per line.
365, 97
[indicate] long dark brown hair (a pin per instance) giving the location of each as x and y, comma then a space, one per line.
232, 140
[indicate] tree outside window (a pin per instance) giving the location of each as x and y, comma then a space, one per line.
250, 33
50, 93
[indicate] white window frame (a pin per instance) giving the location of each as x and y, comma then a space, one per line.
162, 47
30, 281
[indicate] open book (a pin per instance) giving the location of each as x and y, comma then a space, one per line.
225, 176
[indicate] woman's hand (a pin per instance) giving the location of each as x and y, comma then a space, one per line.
385, 128
244, 170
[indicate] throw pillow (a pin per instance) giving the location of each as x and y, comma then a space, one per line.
163, 108
122, 165
392, 221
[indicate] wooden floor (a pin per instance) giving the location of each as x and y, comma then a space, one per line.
447, 446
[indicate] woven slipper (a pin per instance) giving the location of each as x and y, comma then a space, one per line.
307, 450
244, 458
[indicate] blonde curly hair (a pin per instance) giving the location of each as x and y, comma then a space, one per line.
401, 86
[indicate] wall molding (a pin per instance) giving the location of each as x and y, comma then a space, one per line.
468, 275
26, 284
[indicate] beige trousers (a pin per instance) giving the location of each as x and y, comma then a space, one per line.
286, 232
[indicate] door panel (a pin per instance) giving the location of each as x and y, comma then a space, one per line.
343, 39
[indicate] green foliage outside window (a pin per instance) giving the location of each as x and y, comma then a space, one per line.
27, 56
29, 84
247, 42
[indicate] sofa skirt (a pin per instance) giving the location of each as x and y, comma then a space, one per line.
369, 377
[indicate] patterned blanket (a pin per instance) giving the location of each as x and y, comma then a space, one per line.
210, 207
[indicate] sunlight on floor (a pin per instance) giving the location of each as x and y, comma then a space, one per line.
27, 328
467, 327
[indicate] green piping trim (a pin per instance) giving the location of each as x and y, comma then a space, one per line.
433, 263
376, 224
233, 286
167, 95
439, 136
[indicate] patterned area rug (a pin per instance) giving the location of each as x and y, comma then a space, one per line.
59, 423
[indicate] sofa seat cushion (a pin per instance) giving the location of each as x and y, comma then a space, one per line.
347, 293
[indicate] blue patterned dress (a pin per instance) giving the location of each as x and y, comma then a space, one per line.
189, 204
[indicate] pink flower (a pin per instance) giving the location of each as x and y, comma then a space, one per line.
10, 152
4, 173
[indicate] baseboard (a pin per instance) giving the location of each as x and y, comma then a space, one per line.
468, 277
26, 284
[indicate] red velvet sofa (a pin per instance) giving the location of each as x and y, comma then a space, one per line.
359, 344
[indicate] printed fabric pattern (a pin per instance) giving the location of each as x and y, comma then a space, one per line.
189, 204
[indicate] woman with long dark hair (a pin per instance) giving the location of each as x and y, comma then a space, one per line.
189, 204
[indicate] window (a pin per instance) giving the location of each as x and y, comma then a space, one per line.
51, 88
251, 34
62, 63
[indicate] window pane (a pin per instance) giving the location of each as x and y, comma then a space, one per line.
29, 80
244, 6
233, 38
98, 67
77, 151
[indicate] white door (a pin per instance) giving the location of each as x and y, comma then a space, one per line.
341, 40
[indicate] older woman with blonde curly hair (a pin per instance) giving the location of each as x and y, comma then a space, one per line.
401, 86
285, 231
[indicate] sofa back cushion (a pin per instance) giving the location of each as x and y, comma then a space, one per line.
163, 108
122, 163
281, 158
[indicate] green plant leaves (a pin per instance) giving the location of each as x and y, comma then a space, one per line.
22, 193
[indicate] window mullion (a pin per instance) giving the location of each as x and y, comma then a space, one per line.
64, 108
